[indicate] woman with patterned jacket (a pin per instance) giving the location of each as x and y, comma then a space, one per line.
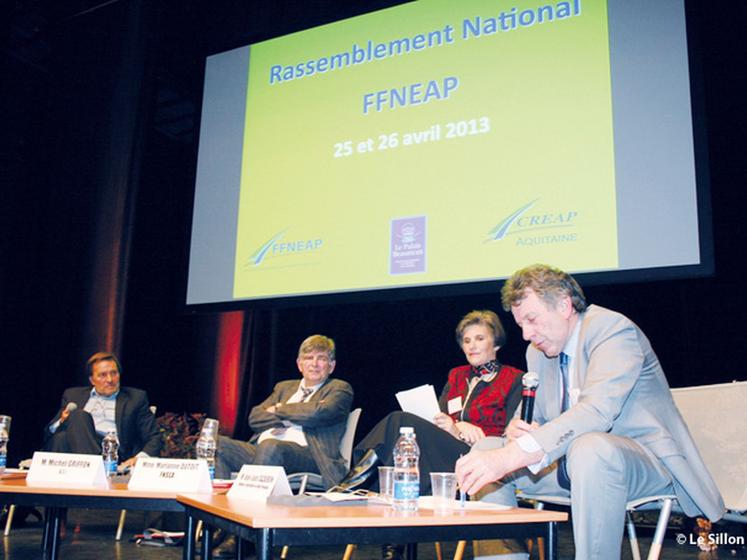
478, 400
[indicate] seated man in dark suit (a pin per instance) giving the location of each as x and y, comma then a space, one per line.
88, 413
299, 426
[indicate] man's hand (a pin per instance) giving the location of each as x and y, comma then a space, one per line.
480, 467
64, 415
469, 433
273, 409
517, 428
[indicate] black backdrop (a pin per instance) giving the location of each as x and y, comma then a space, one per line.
97, 186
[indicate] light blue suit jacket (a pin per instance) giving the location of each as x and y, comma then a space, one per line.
623, 391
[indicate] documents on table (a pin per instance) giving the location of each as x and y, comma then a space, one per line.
429, 502
356, 496
425, 502
10, 474
420, 401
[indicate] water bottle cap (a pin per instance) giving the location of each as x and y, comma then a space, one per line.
406, 430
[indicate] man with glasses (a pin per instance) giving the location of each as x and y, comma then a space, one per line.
87, 414
299, 426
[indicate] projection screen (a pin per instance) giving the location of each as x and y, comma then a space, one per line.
440, 145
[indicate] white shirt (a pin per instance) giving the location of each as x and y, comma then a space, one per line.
102, 410
291, 432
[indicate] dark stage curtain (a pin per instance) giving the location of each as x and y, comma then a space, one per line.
245, 351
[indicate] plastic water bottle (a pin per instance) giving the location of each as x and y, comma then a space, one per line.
110, 453
205, 449
406, 471
3, 448
4, 437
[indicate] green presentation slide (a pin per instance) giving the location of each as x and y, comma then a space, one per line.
431, 143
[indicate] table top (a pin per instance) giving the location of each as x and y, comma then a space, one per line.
17, 485
260, 515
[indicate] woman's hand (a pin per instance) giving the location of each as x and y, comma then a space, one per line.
446, 423
517, 428
469, 433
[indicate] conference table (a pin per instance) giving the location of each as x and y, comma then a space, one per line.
270, 525
56, 499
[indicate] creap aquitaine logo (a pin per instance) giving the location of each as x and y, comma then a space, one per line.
531, 227
277, 247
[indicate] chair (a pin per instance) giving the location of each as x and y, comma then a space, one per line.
9, 519
665, 502
23, 465
715, 416
300, 482
10, 512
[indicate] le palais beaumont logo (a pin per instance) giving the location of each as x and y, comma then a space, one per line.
532, 225
280, 245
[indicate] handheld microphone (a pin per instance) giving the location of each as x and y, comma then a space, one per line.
69, 407
530, 382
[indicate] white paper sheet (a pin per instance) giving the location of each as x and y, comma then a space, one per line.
343, 496
420, 401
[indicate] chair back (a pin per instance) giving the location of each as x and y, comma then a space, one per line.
346, 443
716, 416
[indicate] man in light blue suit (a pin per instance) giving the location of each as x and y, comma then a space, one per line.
606, 429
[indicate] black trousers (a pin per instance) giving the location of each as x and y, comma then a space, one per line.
77, 434
439, 450
232, 454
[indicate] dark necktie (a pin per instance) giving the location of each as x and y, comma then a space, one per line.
564, 403
563, 479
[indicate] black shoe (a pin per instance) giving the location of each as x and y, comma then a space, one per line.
360, 473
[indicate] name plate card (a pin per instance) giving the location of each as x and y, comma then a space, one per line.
170, 475
258, 482
67, 469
